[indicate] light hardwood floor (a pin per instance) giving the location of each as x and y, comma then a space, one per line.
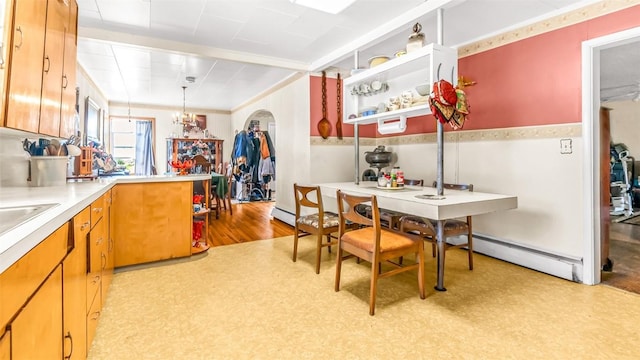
250, 221
625, 253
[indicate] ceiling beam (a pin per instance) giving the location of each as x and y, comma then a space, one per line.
123, 38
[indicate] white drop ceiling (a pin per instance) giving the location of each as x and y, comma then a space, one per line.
141, 51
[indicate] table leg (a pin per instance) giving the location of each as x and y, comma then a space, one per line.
441, 252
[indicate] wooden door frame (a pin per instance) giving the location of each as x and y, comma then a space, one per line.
591, 131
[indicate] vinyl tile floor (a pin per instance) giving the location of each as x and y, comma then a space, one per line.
250, 301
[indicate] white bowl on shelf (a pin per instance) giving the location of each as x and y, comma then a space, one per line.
423, 89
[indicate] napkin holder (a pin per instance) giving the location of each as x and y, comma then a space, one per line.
392, 127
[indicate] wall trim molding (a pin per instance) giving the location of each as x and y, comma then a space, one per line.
588, 12
573, 130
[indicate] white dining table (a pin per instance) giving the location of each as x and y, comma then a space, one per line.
422, 201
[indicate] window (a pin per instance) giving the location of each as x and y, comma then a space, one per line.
123, 141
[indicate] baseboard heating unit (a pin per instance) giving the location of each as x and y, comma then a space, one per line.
562, 266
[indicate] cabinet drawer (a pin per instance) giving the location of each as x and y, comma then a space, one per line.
97, 244
82, 223
97, 210
21, 279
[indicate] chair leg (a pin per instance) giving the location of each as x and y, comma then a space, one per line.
420, 255
217, 207
295, 244
375, 265
318, 252
470, 250
433, 249
338, 268
329, 241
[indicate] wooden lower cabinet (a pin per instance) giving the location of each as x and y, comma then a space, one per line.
36, 332
74, 279
152, 221
5, 345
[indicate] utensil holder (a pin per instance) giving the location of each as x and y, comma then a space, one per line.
48, 170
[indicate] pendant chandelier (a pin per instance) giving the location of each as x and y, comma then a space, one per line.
185, 119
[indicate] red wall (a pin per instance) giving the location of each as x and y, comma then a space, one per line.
535, 81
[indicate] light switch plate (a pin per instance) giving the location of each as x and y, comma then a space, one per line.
566, 146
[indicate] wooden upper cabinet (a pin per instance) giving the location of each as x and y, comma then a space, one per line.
26, 63
40, 67
68, 111
4, 42
54, 41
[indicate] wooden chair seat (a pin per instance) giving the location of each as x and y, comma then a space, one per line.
372, 243
389, 240
451, 227
328, 220
426, 228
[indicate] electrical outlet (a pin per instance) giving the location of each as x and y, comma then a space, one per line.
565, 146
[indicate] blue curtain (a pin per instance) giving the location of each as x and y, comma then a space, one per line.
145, 163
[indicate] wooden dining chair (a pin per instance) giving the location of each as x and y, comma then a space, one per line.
201, 164
225, 202
373, 243
426, 228
319, 223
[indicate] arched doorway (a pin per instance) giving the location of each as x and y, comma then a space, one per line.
257, 178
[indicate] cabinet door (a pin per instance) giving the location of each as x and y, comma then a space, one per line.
5, 345
57, 20
68, 111
152, 221
25, 72
36, 333
75, 290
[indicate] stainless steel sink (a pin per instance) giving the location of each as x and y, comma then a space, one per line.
11, 217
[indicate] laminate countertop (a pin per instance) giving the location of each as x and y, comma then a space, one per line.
67, 201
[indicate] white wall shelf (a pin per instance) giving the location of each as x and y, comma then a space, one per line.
400, 74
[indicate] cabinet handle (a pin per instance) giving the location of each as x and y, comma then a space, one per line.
68, 336
66, 81
18, 29
96, 279
97, 209
46, 58
96, 315
85, 225
104, 264
99, 241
